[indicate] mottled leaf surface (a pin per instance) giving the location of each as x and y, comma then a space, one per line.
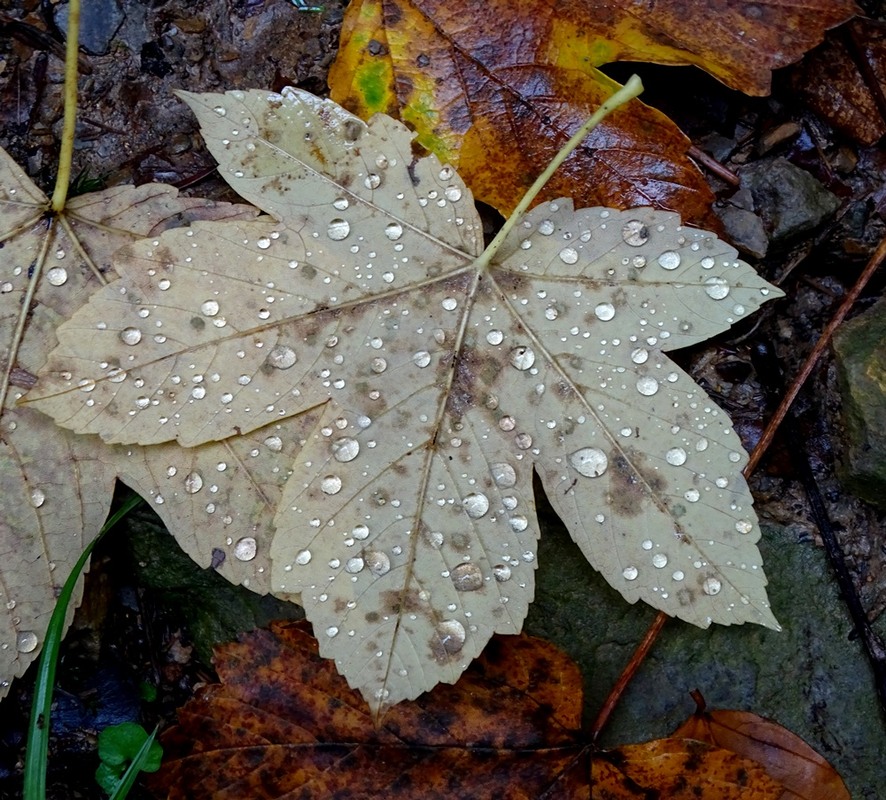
804, 773
517, 79
436, 385
56, 487
281, 723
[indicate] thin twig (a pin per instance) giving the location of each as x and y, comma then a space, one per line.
627, 674
714, 166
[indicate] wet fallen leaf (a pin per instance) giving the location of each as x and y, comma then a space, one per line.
843, 79
282, 723
804, 773
435, 385
517, 79
56, 487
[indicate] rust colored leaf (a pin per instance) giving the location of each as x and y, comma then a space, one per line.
282, 723
495, 87
283, 720
843, 81
804, 773
684, 769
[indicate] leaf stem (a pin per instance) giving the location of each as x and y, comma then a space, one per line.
63, 178
627, 92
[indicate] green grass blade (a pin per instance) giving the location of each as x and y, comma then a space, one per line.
38, 728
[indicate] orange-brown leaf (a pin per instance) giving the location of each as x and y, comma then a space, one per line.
684, 769
804, 773
495, 87
283, 723
283, 720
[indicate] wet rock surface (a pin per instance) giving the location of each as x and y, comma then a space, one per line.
860, 349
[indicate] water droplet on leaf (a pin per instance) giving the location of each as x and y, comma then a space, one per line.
331, 484
467, 577
281, 357
245, 549
635, 233
589, 461
476, 505
522, 358
451, 634
345, 449
57, 276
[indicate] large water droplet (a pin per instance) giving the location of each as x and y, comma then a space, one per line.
519, 523
522, 358
495, 337
476, 505
669, 259
193, 482
647, 385
393, 230
26, 641
630, 573
569, 255
360, 532
331, 484
354, 565
378, 562
659, 560
245, 549
467, 577
716, 288
338, 229
744, 526
372, 181
303, 558
451, 634
345, 449
57, 276
711, 586
209, 308
604, 311
378, 365
676, 456
281, 357
502, 572
421, 359
589, 461
635, 233
639, 355
504, 475
130, 336
37, 497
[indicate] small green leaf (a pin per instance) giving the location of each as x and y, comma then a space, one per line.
118, 744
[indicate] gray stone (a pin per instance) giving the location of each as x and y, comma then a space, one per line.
810, 677
788, 199
99, 21
860, 349
744, 229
